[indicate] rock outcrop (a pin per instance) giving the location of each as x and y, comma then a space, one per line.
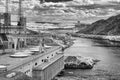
78, 62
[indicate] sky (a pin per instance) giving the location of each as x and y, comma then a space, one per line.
66, 8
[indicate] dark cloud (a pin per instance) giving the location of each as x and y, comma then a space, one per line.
57, 0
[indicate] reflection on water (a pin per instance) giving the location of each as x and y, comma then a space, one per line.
106, 43
109, 56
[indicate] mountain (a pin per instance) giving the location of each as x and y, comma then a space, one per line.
110, 26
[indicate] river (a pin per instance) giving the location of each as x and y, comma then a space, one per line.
109, 57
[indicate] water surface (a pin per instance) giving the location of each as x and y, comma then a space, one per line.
109, 56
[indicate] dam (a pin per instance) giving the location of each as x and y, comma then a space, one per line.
39, 64
27, 54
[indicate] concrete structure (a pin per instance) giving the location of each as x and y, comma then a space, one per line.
46, 61
35, 62
26, 59
49, 70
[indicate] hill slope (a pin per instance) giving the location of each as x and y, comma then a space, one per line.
111, 26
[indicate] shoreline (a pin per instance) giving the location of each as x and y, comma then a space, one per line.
115, 38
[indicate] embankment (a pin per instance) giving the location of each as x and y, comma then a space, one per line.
104, 37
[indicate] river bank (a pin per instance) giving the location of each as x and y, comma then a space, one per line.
105, 37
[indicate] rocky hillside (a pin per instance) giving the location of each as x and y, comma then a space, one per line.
110, 26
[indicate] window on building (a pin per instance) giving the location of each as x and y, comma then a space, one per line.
35, 64
12, 45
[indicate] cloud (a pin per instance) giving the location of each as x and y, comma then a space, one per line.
84, 1
52, 4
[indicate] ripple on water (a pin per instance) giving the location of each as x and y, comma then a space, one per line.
108, 66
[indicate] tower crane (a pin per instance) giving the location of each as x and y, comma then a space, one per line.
7, 19
21, 19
